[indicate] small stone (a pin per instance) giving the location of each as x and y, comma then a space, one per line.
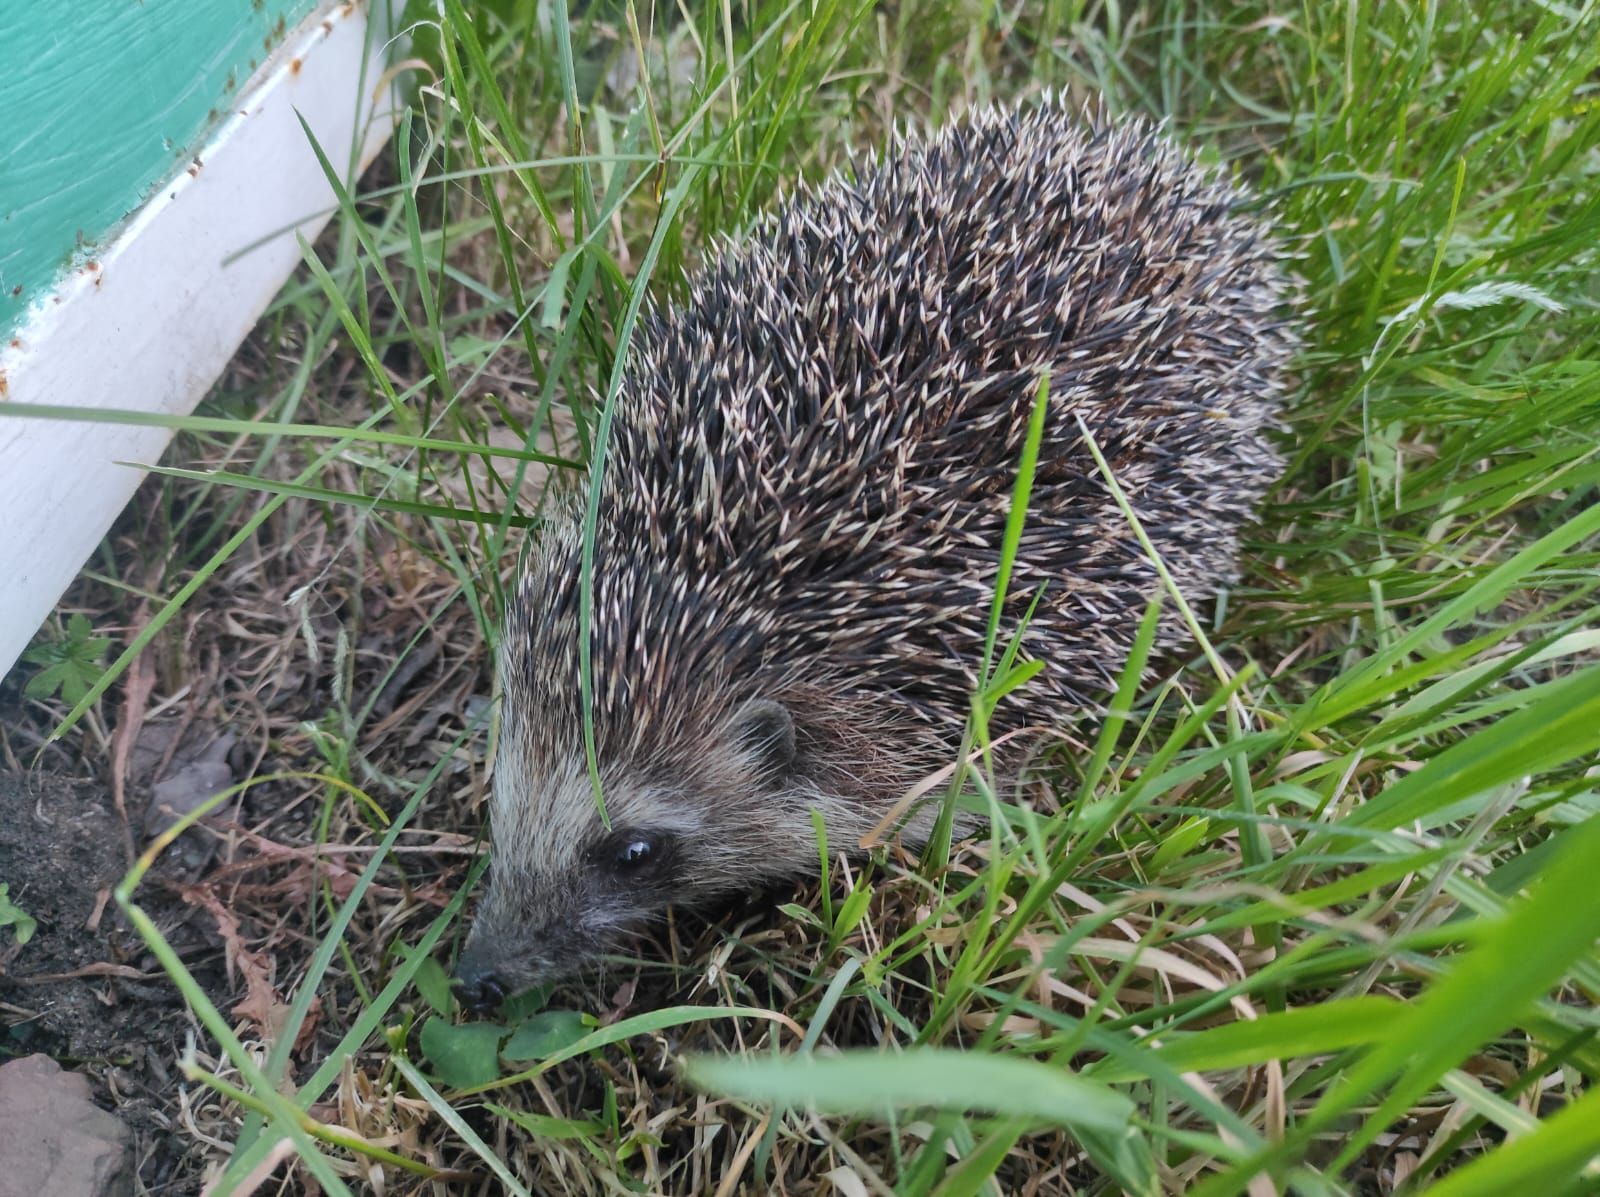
56, 1140
195, 778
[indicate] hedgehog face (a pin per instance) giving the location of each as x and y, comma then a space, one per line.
564, 885
537, 924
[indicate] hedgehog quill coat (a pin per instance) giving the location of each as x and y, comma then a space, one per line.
804, 497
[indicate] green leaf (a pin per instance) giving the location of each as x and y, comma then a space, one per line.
546, 1127
1518, 957
1180, 841
515, 1010
22, 924
75, 682
851, 911
802, 914
71, 665
1550, 1159
869, 1082
465, 1055
452, 1118
555, 288
967, 1179
44, 683
1384, 674
1562, 725
433, 983
1311, 1030
544, 1034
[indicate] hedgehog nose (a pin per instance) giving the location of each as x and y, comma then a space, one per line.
478, 987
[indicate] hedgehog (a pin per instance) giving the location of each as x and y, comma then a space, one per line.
803, 500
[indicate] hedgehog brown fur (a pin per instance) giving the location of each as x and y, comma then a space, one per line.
804, 497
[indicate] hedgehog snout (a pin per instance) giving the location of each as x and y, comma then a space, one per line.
479, 985
511, 946
499, 962
530, 928
491, 967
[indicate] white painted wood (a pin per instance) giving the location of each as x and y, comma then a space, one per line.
152, 322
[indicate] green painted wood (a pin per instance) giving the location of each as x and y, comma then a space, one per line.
104, 100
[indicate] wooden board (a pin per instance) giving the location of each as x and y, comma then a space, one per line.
151, 320
103, 100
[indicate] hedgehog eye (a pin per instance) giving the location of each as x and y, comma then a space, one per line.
634, 852
635, 855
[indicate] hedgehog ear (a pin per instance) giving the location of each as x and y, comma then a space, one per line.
764, 731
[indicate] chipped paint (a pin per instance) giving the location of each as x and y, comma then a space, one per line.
105, 98
144, 318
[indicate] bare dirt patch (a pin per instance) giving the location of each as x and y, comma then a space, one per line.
85, 989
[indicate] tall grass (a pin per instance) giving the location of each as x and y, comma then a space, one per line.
1317, 914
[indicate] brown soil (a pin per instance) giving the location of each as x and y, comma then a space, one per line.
85, 989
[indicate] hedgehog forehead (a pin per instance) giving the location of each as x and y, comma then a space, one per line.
671, 632
538, 815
